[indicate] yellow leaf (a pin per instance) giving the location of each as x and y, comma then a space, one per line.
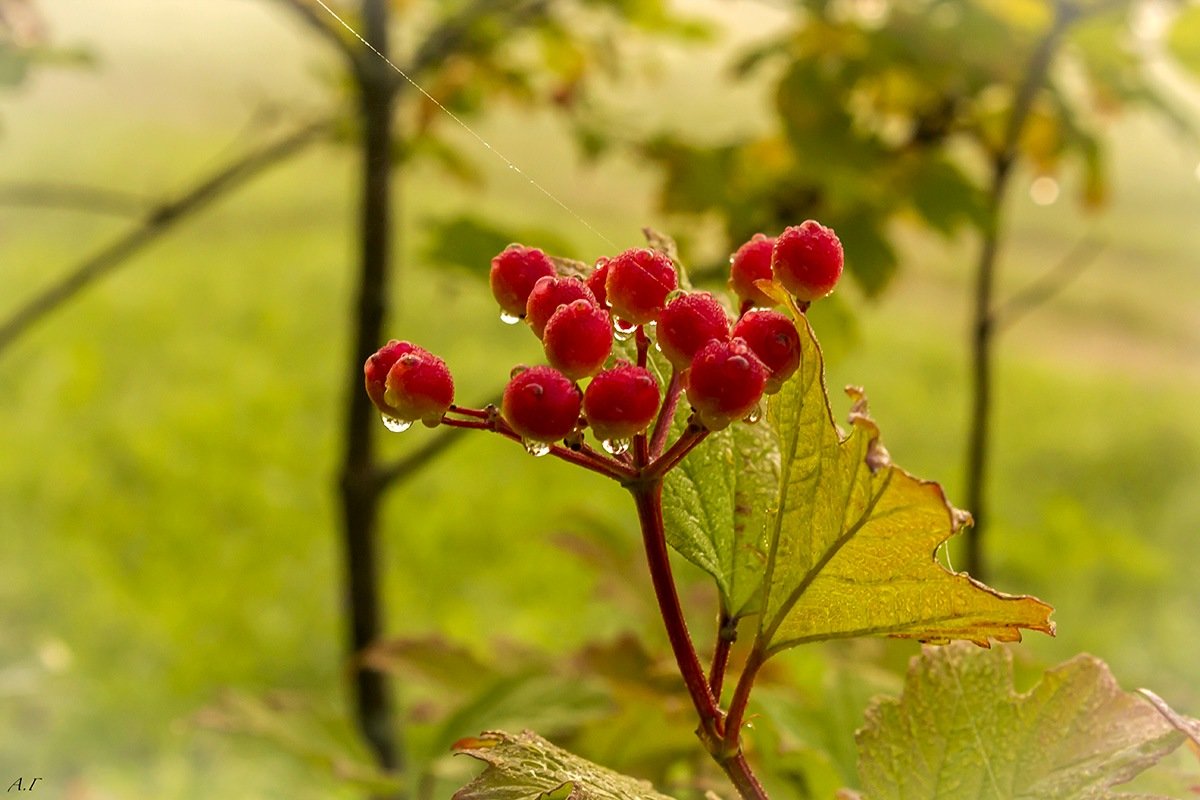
853, 538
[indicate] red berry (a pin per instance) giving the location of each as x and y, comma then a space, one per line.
578, 339
542, 404
773, 338
548, 294
418, 386
638, 283
375, 370
514, 272
621, 402
807, 259
752, 262
595, 282
689, 322
725, 382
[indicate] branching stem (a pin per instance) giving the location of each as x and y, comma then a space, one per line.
726, 636
713, 730
585, 456
662, 426
741, 696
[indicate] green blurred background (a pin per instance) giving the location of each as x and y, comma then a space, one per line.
169, 440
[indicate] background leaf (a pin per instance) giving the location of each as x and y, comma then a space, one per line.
1183, 40
1074, 735
527, 767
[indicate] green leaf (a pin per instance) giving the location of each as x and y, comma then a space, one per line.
470, 242
527, 767
304, 729
945, 197
961, 730
853, 538
1183, 40
715, 508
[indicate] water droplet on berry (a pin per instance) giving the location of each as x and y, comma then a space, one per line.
615, 447
738, 363
754, 416
622, 330
535, 448
509, 319
517, 370
394, 424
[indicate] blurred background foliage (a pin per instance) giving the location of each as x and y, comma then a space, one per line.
168, 566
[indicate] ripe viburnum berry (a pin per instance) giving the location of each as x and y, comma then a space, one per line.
638, 283
689, 322
807, 259
541, 404
621, 402
725, 382
751, 262
514, 272
548, 294
578, 339
595, 282
416, 385
773, 338
376, 368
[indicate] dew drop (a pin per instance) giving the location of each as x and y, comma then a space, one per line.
509, 319
622, 330
395, 424
615, 447
535, 448
754, 416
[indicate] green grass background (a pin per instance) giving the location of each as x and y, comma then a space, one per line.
168, 441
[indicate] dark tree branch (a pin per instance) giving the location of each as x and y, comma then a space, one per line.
328, 28
75, 197
983, 316
403, 468
450, 34
158, 221
359, 489
1049, 284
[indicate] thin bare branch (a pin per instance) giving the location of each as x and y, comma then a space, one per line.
444, 40
1049, 284
75, 197
983, 310
327, 27
157, 222
400, 470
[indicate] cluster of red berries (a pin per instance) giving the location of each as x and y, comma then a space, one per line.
723, 366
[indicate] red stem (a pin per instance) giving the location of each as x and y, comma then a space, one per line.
648, 499
643, 346
647, 496
692, 436
585, 457
726, 636
662, 426
741, 696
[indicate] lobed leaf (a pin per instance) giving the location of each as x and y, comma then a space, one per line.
961, 730
852, 538
715, 506
527, 767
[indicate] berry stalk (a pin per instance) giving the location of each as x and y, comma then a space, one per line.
584, 456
